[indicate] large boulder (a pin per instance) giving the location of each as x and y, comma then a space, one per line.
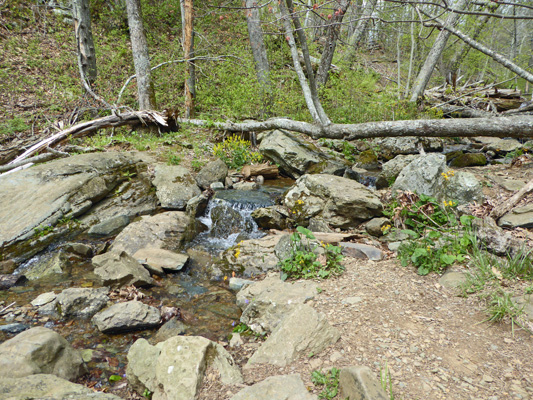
76, 303
215, 171
391, 169
47, 193
39, 351
341, 202
175, 186
55, 263
167, 230
301, 332
297, 157
174, 369
281, 387
118, 269
160, 260
127, 317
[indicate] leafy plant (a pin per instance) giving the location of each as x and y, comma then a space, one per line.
236, 152
386, 381
147, 393
241, 328
501, 307
330, 381
173, 159
115, 378
43, 230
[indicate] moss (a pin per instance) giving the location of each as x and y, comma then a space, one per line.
469, 160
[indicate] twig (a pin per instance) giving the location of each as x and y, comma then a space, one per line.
3, 310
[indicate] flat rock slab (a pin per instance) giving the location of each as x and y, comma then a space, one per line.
127, 317
359, 383
519, 217
161, 260
175, 186
356, 249
118, 269
452, 279
281, 387
75, 303
45, 193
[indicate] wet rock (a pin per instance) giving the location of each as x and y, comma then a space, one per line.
171, 328
175, 186
175, 368
80, 249
301, 332
342, 202
468, 160
375, 225
393, 146
215, 171
237, 284
167, 230
359, 383
43, 299
265, 303
39, 351
226, 221
7, 267
367, 159
274, 217
57, 264
495, 239
372, 253
244, 185
297, 157
452, 279
519, 217
281, 387
109, 227
197, 205
48, 387
14, 328
127, 317
76, 303
391, 169
118, 269
8, 281
160, 261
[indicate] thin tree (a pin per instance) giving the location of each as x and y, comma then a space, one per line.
360, 29
187, 19
84, 40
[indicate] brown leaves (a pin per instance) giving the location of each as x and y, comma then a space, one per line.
126, 293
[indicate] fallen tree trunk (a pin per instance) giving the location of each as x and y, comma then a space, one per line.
267, 171
506, 206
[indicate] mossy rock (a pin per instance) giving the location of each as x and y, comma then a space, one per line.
469, 160
368, 159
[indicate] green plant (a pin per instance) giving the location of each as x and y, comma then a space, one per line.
501, 307
14, 125
241, 328
518, 266
303, 262
115, 378
236, 152
197, 165
147, 393
43, 230
173, 159
330, 381
529, 290
386, 380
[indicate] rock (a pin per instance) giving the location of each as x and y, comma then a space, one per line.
14, 328
317, 224
217, 186
274, 217
370, 252
109, 227
367, 159
197, 205
173, 327
8, 281
215, 171
175, 186
47, 193
391, 169
342, 202
225, 221
118, 269
237, 284
462, 187
236, 340
48, 387
393, 146
7, 267
174, 369
301, 332
167, 230
244, 185
359, 383
468, 160
525, 302
265, 303
296, 157
519, 217
127, 317
39, 351
499, 145
43, 299
80, 249
161, 260
511, 185
57, 264
375, 225
495, 239
281, 387
452, 279
76, 303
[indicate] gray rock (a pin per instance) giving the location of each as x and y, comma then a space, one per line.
342, 202
175, 186
281, 387
499, 145
462, 187
215, 171
57, 264
118, 269
109, 227
76, 303
43, 299
46, 193
265, 303
375, 225
80, 249
237, 284
511, 185
452, 279
391, 169
127, 317
217, 186
244, 185
317, 224
371, 252
225, 221
39, 351
408, 145
48, 387
297, 157
519, 217
301, 332
359, 383
171, 328
161, 260
174, 369
495, 239
197, 205
273, 217
167, 230
526, 303
14, 328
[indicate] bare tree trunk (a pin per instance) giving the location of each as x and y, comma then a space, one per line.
331, 42
187, 19
360, 29
412, 54
424, 75
84, 39
141, 59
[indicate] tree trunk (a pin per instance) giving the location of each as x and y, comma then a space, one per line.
434, 54
360, 29
84, 39
187, 19
141, 59
265, 170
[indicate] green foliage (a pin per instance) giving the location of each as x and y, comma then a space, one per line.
305, 263
236, 152
501, 307
386, 380
147, 393
173, 158
13, 125
241, 328
115, 378
330, 382
43, 230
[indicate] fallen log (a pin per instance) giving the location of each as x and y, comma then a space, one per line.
507, 205
265, 170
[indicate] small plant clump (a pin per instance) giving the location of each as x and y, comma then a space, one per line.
330, 382
236, 152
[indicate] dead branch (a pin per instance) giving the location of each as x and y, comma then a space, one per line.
507, 205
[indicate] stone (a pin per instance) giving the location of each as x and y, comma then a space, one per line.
237, 284
375, 225
166, 230
8, 281
175, 186
48, 387
117, 269
359, 383
342, 202
225, 221
499, 145
43, 299
296, 157
58, 263
301, 332
173, 327
265, 303
273, 217
281, 387
14, 328
391, 169
392, 146
468, 160
109, 227
174, 369
518, 217
452, 279
214, 172
525, 302
367, 159
161, 260
7, 267
197, 205
217, 186
73, 303
244, 185
39, 350
318, 225
495, 239
371, 252
511, 185
80, 249
236, 340
127, 317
